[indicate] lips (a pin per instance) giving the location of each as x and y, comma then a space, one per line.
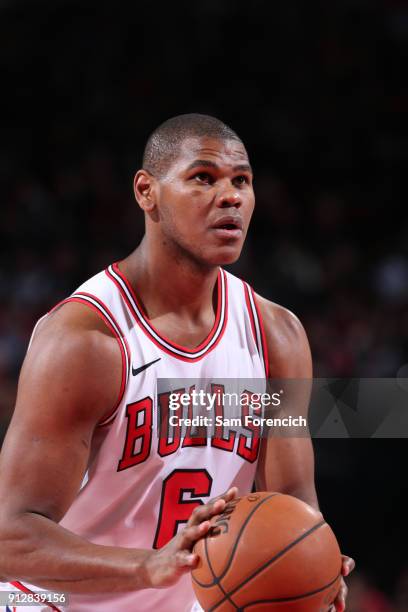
229, 223
228, 228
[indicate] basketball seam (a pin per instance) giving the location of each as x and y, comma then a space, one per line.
233, 550
216, 581
296, 597
275, 558
241, 530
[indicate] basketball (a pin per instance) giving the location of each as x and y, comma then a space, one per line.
267, 551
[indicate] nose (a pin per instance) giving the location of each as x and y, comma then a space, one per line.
229, 198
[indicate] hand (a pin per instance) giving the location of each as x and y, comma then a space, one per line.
339, 604
165, 566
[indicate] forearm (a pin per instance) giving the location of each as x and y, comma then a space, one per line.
306, 492
286, 465
302, 484
37, 550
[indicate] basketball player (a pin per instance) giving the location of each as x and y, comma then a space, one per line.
87, 399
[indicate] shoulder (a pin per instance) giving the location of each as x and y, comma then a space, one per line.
288, 347
74, 356
75, 330
72, 319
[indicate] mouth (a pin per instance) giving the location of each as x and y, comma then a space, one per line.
228, 227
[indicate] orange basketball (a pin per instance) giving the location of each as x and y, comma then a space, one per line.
268, 551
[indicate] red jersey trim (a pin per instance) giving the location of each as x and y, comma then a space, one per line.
251, 314
257, 326
21, 587
176, 350
263, 335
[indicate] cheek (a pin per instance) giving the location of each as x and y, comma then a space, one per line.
184, 220
187, 199
200, 200
191, 209
248, 209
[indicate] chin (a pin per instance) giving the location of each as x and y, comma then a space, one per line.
224, 256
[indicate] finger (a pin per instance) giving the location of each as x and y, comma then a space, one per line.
340, 601
348, 565
189, 536
206, 511
232, 493
338, 605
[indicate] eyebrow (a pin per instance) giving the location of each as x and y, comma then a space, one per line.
210, 164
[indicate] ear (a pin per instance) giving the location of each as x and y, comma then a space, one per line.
144, 188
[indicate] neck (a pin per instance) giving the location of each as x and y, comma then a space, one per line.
166, 281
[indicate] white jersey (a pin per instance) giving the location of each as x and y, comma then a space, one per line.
141, 486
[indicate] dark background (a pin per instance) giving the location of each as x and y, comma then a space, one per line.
318, 93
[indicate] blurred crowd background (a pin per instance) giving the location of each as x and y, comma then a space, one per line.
318, 92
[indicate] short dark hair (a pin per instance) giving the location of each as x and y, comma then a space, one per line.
163, 144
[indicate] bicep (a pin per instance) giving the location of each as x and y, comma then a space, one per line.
59, 401
41, 467
286, 465
286, 461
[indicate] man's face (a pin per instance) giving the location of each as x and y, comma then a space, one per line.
206, 199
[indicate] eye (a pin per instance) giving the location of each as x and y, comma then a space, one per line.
242, 179
203, 177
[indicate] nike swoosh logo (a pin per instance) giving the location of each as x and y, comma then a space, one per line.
136, 371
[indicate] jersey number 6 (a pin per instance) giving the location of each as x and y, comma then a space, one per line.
174, 509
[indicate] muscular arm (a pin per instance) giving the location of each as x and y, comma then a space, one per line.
286, 464
45, 454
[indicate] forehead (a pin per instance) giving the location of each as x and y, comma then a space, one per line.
219, 151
